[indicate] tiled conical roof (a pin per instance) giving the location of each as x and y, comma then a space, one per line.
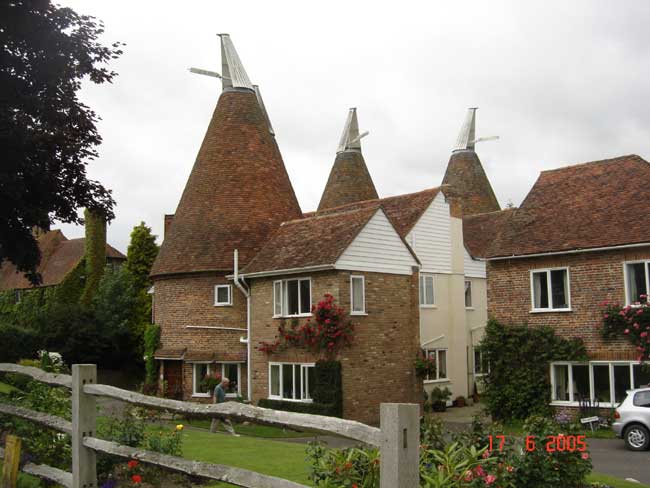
465, 172
349, 180
237, 194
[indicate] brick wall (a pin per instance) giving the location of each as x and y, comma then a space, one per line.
379, 366
594, 277
188, 300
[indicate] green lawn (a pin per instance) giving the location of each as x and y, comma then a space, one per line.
5, 389
272, 457
614, 482
254, 430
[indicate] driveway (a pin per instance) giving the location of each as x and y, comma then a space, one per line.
609, 456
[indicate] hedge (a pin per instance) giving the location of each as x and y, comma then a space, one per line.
312, 408
17, 343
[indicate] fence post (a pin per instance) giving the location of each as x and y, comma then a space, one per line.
12, 461
84, 465
400, 449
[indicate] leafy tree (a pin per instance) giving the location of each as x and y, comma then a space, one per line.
140, 255
47, 136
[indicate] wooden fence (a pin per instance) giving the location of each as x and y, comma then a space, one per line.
397, 438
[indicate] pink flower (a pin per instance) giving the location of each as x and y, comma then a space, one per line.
626, 331
644, 334
468, 476
478, 471
489, 479
486, 454
636, 326
585, 456
606, 316
509, 469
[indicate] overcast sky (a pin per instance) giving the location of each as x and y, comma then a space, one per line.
560, 82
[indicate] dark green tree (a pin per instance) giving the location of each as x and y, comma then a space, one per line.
140, 255
47, 136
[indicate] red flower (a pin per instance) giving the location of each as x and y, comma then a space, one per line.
136, 478
132, 463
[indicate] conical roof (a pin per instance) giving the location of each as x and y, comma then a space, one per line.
465, 173
349, 180
237, 194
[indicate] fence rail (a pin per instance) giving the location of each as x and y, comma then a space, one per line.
398, 438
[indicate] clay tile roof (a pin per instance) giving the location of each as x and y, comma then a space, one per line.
59, 256
480, 230
214, 356
314, 241
402, 210
237, 194
170, 353
348, 182
466, 175
589, 205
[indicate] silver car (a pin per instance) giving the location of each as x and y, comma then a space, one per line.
632, 419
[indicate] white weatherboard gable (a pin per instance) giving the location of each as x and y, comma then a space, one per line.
473, 267
432, 237
378, 248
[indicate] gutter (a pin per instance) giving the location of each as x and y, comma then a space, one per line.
571, 251
260, 274
246, 291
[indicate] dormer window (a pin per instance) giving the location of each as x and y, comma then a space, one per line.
550, 290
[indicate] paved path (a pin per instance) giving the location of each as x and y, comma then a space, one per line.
609, 456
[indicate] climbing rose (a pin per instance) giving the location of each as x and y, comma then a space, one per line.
489, 479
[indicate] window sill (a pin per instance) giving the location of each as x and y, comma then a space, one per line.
428, 306
551, 310
359, 314
201, 395
223, 304
290, 399
299, 316
470, 309
442, 380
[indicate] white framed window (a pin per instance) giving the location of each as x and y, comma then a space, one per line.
468, 294
550, 291
481, 365
292, 298
232, 371
199, 372
291, 381
222, 295
637, 281
427, 297
18, 295
440, 358
357, 295
603, 381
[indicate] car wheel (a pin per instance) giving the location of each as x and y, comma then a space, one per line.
637, 438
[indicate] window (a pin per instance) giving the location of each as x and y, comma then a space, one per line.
550, 288
636, 282
481, 365
357, 295
200, 371
601, 381
468, 294
440, 357
642, 399
17, 296
292, 297
291, 381
233, 373
426, 290
222, 295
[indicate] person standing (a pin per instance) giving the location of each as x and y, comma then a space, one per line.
219, 396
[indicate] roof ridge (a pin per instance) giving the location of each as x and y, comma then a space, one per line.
329, 213
597, 161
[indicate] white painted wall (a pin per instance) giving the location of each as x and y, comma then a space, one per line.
430, 237
474, 268
378, 248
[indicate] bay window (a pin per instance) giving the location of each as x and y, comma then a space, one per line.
291, 381
292, 298
602, 381
550, 289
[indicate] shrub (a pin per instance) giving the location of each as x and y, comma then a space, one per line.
343, 467
518, 382
300, 407
328, 389
17, 342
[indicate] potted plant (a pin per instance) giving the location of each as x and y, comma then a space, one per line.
460, 401
439, 398
210, 382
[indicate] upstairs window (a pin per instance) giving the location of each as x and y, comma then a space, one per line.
426, 290
468, 294
636, 282
292, 298
550, 288
222, 295
357, 295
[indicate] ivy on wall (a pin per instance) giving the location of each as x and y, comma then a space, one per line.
518, 383
95, 253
